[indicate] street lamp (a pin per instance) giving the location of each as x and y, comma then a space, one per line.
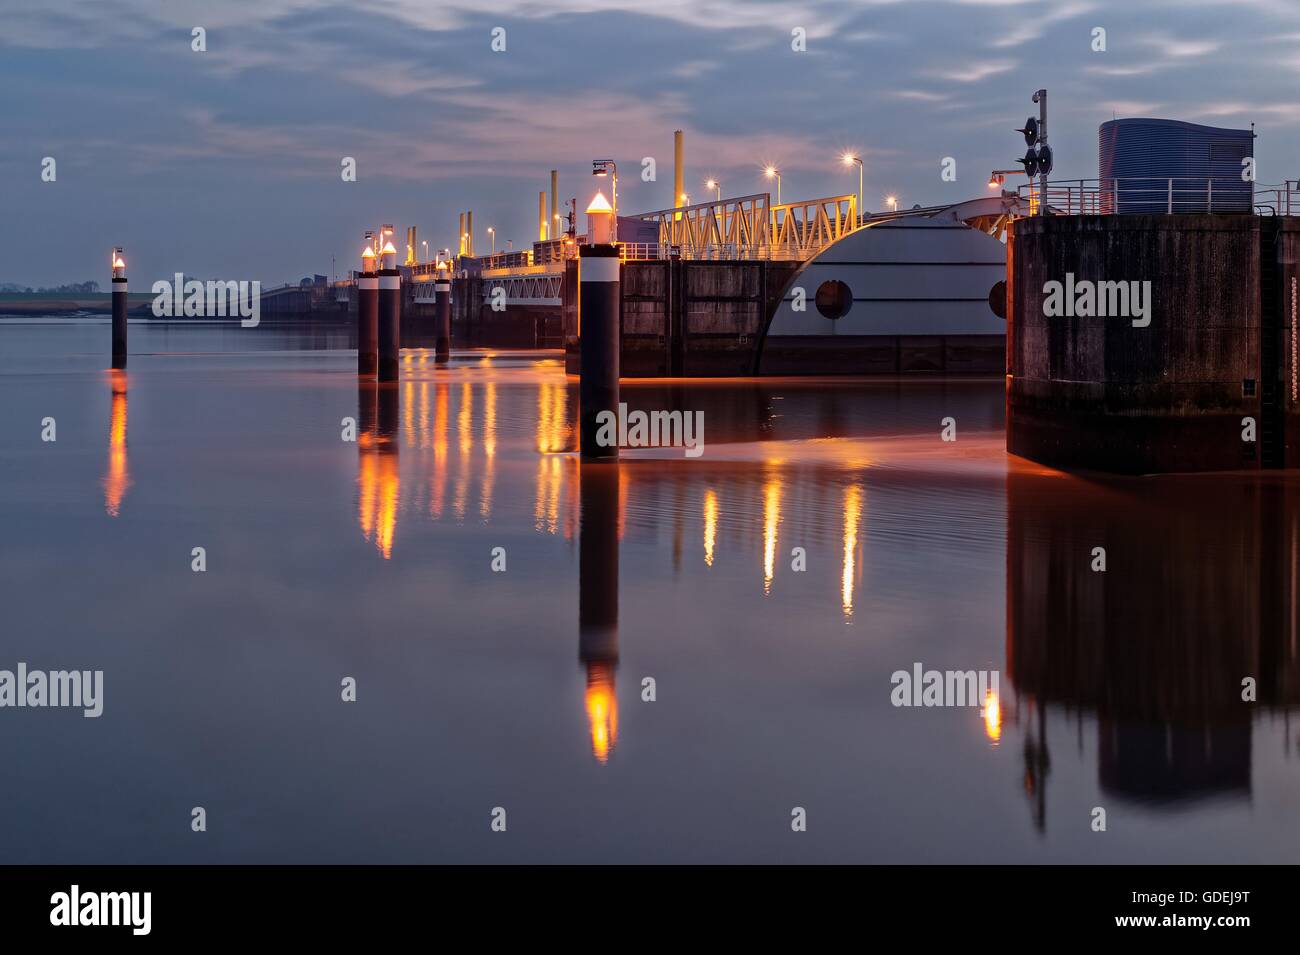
425, 243
607, 167
773, 173
892, 202
999, 176
849, 160
714, 184
492, 237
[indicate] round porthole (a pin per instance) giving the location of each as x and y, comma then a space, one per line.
998, 299
834, 299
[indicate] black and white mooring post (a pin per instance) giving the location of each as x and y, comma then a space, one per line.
442, 313
598, 330
367, 315
119, 309
390, 313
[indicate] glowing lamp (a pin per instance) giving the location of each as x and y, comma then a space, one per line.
600, 220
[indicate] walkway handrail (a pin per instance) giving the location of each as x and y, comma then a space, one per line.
1152, 195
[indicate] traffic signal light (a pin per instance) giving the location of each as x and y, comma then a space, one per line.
1038, 160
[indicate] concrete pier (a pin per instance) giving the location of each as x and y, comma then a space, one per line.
1204, 381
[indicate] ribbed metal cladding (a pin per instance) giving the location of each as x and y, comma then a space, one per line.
1190, 154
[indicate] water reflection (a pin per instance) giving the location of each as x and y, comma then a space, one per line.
379, 479
710, 524
117, 476
1193, 601
598, 538
771, 518
1149, 653
852, 516
489, 449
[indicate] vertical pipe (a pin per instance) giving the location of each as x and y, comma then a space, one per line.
598, 346
469, 233
541, 217
460, 234
367, 320
390, 322
1041, 99
119, 311
442, 316
679, 174
555, 198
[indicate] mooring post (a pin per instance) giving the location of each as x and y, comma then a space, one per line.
598, 346
119, 309
390, 314
367, 315
442, 314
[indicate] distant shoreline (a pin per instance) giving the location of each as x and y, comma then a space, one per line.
53, 305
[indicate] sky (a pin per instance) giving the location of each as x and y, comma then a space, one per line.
226, 163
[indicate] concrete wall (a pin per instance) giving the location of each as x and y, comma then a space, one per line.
685, 318
474, 325
1099, 393
1287, 248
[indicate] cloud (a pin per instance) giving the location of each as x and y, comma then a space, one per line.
975, 72
1177, 48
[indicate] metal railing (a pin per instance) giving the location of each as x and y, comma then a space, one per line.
1153, 196
1283, 200
725, 252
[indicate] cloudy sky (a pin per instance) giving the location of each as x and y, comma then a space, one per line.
226, 163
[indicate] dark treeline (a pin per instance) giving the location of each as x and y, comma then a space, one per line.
72, 288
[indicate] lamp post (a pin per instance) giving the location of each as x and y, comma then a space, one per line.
368, 311
119, 284
892, 202
773, 173
714, 184
599, 332
607, 167
425, 243
492, 237
390, 313
442, 314
849, 160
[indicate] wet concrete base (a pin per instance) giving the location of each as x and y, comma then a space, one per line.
1129, 443
883, 354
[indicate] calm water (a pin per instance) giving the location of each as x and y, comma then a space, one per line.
373, 560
